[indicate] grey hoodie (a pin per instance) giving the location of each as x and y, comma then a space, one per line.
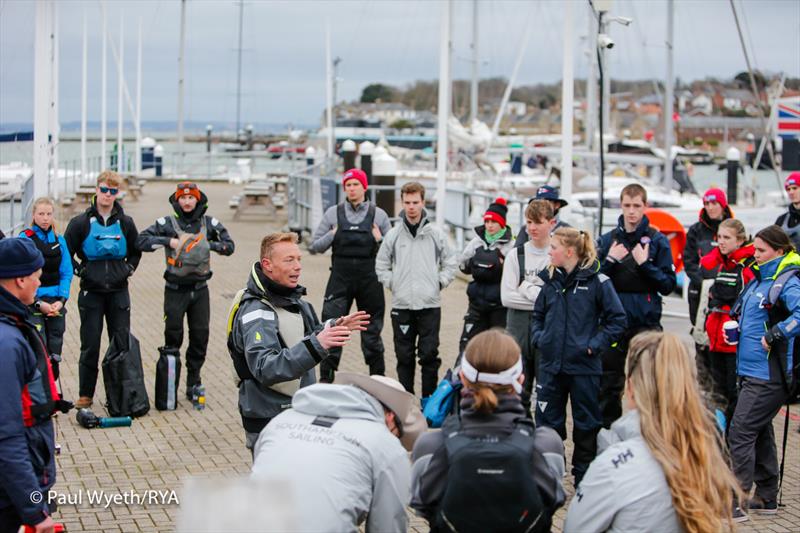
343, 466
625, 489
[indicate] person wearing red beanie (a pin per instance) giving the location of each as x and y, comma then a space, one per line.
354, 230
790, 223
483, 257
700, 240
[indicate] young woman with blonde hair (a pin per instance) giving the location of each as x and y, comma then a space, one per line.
492, 416
51, 298
661, 466
576, 318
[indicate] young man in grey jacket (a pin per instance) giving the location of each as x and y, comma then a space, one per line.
342, 453
274, 336
416, 262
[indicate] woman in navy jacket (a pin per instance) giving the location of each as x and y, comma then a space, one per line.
577, 316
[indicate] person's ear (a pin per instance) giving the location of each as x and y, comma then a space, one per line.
521, 379
266, 264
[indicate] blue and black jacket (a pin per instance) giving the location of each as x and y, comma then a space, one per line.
771, 311
99, 274
639, 286
574, 313
57, 271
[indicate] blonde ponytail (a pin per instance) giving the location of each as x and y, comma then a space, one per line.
581, 242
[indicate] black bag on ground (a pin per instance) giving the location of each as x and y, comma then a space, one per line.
124, 379
168, 376
490, 484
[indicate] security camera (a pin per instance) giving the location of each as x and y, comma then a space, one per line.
604, 41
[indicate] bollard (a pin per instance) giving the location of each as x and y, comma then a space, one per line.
349, 154
158, 160
249, 131
310, 153
365, 150
384, 169
148, 157
209, 128
733, 156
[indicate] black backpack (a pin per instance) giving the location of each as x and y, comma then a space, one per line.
491, 485
123, 377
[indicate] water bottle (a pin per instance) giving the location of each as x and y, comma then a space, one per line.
199, 397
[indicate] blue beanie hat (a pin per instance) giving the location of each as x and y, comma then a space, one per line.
19, 258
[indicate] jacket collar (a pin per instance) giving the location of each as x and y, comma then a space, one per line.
263, 287
771, 269
576, 276
509, 408
638, 233
11, 305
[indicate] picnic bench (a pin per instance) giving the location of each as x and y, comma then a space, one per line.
266, 192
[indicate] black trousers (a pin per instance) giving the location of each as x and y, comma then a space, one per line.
754, 454
552, 392
93, 307
194, 305
613, 381
480, 318
723, 379
351, 281
51, 329
416, 335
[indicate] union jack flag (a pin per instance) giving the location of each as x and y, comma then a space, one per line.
789, 117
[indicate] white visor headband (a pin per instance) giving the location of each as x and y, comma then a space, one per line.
509, 376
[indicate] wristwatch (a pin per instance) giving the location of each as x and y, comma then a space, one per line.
38, 305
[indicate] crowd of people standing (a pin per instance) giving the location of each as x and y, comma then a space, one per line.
552, 317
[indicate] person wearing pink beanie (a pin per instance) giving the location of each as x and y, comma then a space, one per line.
700, 240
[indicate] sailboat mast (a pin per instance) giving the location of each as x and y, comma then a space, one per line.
567, 98
668, 98
180, 84
239, 71
473, 100
444, 112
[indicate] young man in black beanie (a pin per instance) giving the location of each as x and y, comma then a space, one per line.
483, 257
28, 394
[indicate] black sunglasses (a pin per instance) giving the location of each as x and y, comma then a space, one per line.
108, 190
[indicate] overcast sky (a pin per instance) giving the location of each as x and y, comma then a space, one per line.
393, 42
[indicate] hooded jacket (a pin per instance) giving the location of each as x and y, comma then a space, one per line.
61, 290
657, 274
104, 275
576, 312
255, 337
162, 232
700, 240
735, 263
790, 221
338, 459
429, 473
754, 323
27, 454
415, 267
624, 490
479, 252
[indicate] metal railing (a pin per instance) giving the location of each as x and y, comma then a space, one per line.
14, 208
464, 206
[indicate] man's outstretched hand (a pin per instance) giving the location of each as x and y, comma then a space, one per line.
355, 321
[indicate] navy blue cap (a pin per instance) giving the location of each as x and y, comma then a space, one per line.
547, 192
19, 258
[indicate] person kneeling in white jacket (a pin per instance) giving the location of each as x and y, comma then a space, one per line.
342, 452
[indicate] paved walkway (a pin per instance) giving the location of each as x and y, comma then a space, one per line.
161, 450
